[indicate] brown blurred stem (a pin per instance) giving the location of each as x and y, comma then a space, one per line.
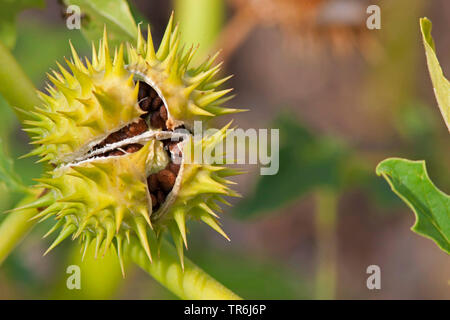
325, 219
235, 32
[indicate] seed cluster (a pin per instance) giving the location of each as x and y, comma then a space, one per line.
150, 102
132, 130
160, 184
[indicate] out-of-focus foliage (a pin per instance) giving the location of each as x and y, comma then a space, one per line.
115, 14
440, 83
253, 277
410, 181
309, 162
7, 174
306, 162
8, 12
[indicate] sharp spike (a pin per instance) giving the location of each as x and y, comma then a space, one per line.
140, 46
119, 67
165, 42
151, 55
179, 216
55, 227
119, 239
211, 97
76, 58
210, 221
43, 201
119, 214
110, 232
178, 240
206, 208
146, 214
141, 231
50, 210
65, 232
87, 242
98, 241
105, 51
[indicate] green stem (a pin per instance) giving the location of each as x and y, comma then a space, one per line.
200, 23
326, 214
15, 227
18, 91
191, 284
15, 86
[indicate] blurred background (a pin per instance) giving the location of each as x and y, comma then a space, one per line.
344, 98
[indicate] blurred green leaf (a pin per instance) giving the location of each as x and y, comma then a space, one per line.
8, 13
306, 162
7, 174
53, 47
253, 277
440, 83
410, 181
115, 14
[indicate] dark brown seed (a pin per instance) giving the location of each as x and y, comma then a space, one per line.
166, 179
131, 148
152, 182
163, 113
145, 104
142, 91
160, 196
156, 103
175, 168
115, 153
154, 200
156, 121
137, 128
153, 93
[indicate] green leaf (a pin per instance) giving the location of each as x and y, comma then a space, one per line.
8, 12
440, 83
7, 174
306, 162
115, 14
410, 181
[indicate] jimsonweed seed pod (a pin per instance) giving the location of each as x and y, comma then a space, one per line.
118, 168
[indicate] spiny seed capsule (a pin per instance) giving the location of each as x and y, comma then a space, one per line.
106, 127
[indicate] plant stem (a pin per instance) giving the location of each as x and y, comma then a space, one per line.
326, 214
15, 86
15, 227
191, 284
200, 23
18, 91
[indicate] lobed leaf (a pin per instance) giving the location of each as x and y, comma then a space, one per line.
440, 84
410, 181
